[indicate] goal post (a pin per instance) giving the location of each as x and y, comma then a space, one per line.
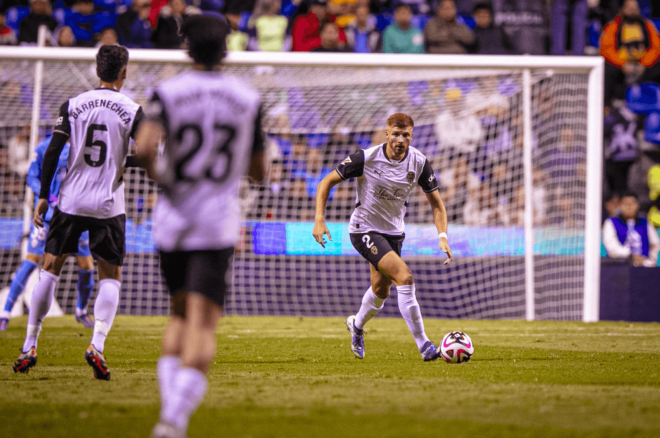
542, 258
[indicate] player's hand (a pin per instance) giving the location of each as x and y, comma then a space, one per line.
444, 246
319, 230
40, 212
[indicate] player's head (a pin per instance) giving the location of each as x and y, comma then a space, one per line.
111, 64
402, 15
206, 36
630, 9
629, 205
399, 132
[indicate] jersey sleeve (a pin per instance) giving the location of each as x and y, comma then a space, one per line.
63, 125
139, 117
352, 166
427, 179
259, 145
34, 173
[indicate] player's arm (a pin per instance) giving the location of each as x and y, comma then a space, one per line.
257, 168
150, 130
61, 134
351, 167
429, 183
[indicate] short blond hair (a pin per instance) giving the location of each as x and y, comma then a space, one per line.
400, 120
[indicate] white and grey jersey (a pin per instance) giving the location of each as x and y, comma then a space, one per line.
383, 187
100, 123
213, 126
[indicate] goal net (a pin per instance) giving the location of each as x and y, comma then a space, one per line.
469, 122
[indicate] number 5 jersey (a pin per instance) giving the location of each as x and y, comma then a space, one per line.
100, 123
213, 126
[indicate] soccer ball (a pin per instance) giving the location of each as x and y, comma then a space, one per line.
456, 347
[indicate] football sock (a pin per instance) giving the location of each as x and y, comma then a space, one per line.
42, 297
409, 309
85, 286
370, 307
105, 309
188, 390
166, 369
18, 283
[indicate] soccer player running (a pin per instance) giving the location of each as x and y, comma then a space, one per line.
386, 174
98, 124
212, 129
37, 242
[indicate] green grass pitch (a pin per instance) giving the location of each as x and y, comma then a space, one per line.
296, 377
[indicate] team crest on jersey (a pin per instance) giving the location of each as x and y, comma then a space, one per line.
374, 250
347, 160
411, 177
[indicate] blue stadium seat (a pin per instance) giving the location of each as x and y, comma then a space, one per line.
244, 21
652, 128
316, 140
419, 21
14, 15
384, 20
362, 139
416, 90
467, 20
643, 98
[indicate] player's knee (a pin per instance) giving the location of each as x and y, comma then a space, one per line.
405, 279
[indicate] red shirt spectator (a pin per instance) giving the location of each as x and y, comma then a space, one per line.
306, 32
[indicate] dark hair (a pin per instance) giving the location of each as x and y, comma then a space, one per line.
630, 195
400, 120
402, 5
109, 61
482, 6
206, 36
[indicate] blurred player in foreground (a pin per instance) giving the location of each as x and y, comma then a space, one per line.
212, 129
37, 242
98, 124
386, 174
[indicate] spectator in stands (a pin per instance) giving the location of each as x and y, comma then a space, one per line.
237, 41
443, 34
40, 13
107, 36
306, 28
363, 37
270, 27
560, 12
64, 37
525, 22
417, 7
329, 38
85, 22
344, 10
628, 235
620, 147
631, 46
167, 34
133, 27
7, 35
488, 38
401, 36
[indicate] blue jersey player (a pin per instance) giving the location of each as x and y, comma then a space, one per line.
37, 243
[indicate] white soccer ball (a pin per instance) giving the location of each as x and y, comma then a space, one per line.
456, 347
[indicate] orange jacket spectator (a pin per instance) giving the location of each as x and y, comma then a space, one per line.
306, 33
630, 40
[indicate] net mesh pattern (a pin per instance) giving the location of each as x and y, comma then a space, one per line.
469, 124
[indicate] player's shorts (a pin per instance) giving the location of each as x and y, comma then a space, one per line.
107, 237
373, 246
37, 241
205, 272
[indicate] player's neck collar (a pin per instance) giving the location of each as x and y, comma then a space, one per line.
107, 88
388, 158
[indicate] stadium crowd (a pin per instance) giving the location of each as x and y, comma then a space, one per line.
479, 185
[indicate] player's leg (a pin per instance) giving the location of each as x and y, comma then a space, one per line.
35, 251
393, 267
85, 280
206, 272
31, 262
107, 240
170, 360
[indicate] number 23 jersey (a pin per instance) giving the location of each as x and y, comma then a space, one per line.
213, 125
100, 123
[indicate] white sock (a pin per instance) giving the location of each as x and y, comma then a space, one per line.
5, 314
409, 309
42, 297
167, 367
105, 309
370, 307
80, 312
188, 390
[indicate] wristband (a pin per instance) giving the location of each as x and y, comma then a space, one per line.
441, 235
